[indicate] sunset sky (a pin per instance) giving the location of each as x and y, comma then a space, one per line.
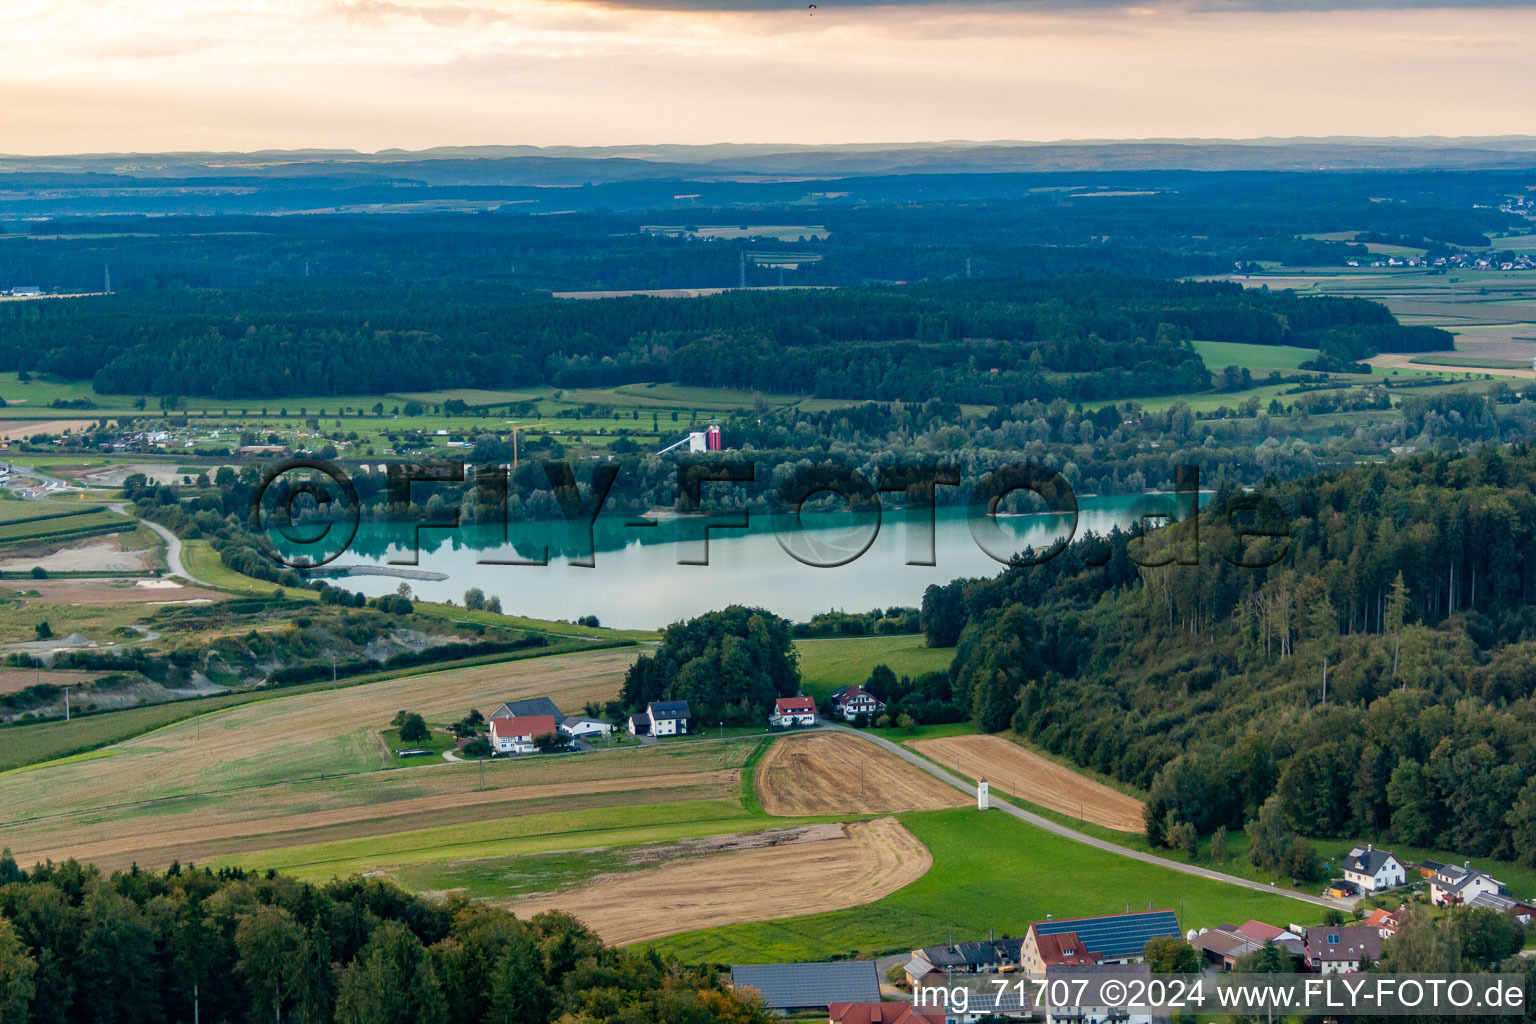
145, 75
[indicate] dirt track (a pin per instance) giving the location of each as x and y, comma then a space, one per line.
874, 859
1025, 774
823, 773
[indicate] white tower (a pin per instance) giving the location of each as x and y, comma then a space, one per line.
983, 797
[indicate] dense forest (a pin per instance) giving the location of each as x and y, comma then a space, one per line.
985, 341
1408, 585
81, 947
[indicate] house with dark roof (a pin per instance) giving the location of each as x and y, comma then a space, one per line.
1454, 885
881, 1013
799, 987
853, 701
1118, 938
529, 706
792, 711
1342, 949
1505, 905
990, 954
520, 735
1373, 870
668, 717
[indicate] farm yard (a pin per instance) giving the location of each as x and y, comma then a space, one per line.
1014, 770
816, 869
826, 773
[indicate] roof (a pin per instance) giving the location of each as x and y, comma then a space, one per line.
919, 966
668, 709
848, 693
1367, 860
1454, 879
639, 723
1430, 865
528, 725
789, 705
1259, 930
795, 986
881, 1013
1226, 943
972, 954
584, 720
1095, 974
1343, 942
1065, 948
530, 706
1116, 936
1496, 901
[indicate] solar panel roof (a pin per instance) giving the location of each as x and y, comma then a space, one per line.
795, 986
1117, 936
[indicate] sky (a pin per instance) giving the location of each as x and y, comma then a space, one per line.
155, 75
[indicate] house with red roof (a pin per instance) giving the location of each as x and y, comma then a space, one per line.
519, 735
1383, 921
881, 1013
792, 711
1064, 948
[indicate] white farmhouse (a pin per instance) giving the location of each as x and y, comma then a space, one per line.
1373, 870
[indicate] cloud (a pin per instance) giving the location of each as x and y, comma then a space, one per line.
1067, 7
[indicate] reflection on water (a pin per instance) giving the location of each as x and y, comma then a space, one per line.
638, 580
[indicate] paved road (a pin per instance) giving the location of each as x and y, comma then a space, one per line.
999, 804
173, 562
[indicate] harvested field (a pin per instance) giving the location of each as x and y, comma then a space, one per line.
824, 871
98, 593
827, 773
152, 844
12, 680
312, 735
17, 429
1027, 775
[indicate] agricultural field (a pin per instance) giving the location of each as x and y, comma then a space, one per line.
1258, 360
33, 522
987, 873
828, 664
828, 773
1020, 772
273, 742
813, 869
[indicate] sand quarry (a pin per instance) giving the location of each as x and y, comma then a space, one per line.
1011, 769
812, 869
828, 773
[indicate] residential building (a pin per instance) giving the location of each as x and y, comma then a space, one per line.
668, 717
529, 706
881, 1013
1505, 905
519, 735
991, 954
1091, 1007
1342, 949
1373, 870
793, 988
1384, 921
579, 728
639, 724
853, 701
1118, 938
1452, 885
792, 711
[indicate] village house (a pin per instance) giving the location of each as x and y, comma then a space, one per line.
792, 711
1505, 905
520, 735
1342, 949
853, 701
1117, 938
1384, 921
529, 706
1452, 885
986, 955
1373, 870
639, 724
668, 717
